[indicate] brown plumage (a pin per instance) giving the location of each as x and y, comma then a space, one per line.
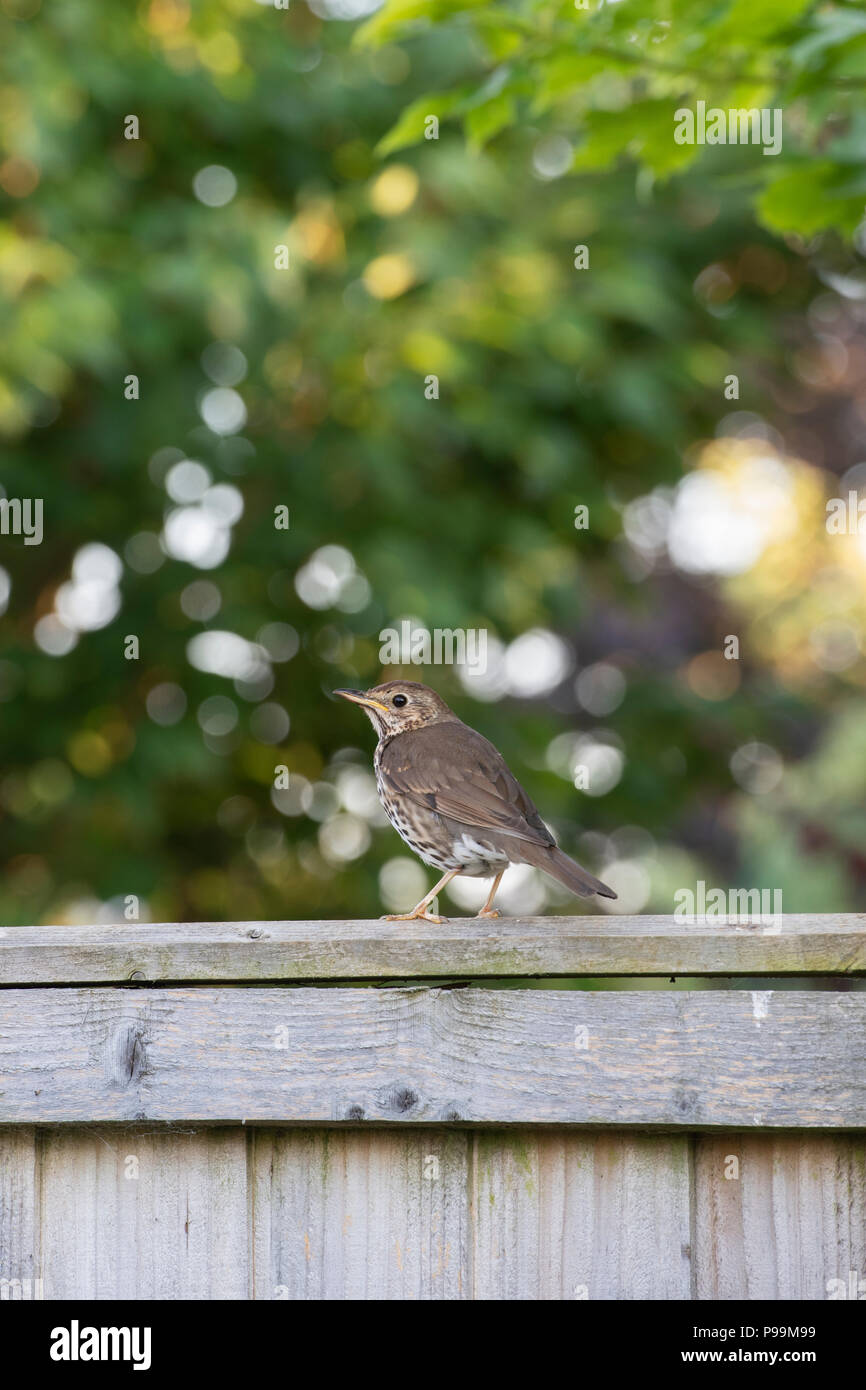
449, 794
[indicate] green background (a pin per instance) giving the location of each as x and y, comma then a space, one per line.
557, 388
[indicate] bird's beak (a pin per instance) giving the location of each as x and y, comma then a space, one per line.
359, 698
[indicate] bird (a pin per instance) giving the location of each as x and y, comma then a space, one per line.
449, 794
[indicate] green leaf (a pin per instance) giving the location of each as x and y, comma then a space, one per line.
499, 33
485, 121
388, 23
382, 27
748, 20
644, 130
831, 30
565, 73
410, 128
811, 198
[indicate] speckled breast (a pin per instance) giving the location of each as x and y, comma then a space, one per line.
438, 842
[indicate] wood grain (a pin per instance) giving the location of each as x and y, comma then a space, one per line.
138, 1215
518, 948
348, 1215
765, 1060
20, 1262
437, 1214
580, 1217
779, 1216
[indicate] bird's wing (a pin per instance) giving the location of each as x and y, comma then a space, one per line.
449, 768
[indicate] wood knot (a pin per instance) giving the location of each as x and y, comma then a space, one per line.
125, 1054
686, 1100
403, 1099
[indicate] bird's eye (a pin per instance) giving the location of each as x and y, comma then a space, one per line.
399, 701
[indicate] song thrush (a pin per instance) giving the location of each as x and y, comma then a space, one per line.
448, 793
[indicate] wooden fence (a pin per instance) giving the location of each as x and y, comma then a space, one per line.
327, 1110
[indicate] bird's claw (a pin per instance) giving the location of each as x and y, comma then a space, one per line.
489, 912
413, 917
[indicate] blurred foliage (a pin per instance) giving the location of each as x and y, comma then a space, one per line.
612, 74
558, 388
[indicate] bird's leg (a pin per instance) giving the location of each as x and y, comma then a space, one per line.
487, 910
420, 909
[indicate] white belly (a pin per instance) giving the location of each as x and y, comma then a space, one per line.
480, 860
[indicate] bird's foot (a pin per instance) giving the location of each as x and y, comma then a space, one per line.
489, 912
415, 916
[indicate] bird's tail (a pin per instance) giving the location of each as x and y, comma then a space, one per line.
559, 866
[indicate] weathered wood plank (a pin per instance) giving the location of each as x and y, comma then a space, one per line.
348, 1215
783, 1059
579, 1216
780, 1217
535, 946
20, 1268
430, 1214
127, 1214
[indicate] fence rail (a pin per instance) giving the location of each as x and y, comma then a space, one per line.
543, 947
768, 1059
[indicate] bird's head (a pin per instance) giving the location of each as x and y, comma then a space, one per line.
397, 706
